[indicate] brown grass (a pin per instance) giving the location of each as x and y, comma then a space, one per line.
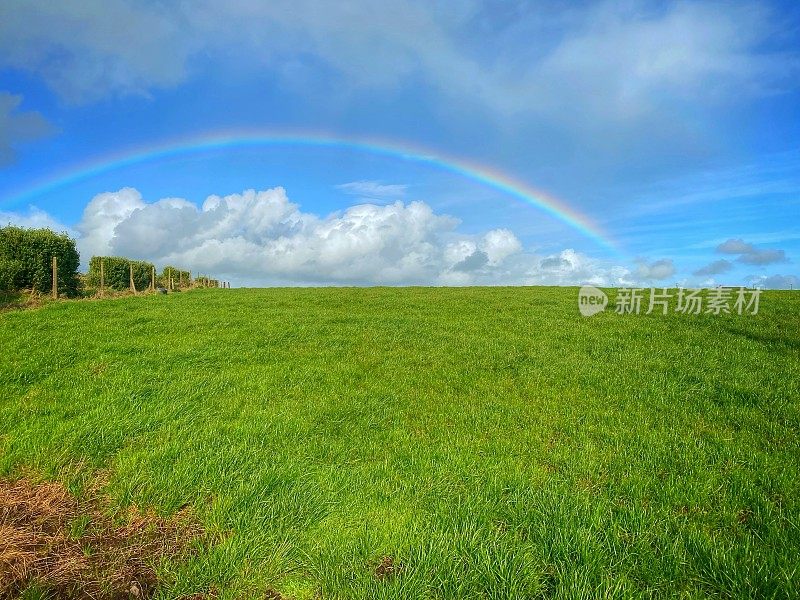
74, 548
387, 568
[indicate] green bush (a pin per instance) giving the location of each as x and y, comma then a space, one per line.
26, 260
116, 273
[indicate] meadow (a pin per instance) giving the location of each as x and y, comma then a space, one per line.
425, 443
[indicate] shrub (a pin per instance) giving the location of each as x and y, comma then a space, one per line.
26, 260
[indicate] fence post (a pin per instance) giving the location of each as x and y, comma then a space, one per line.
133, 285
169, 279
153, 278
102, 278
55, 278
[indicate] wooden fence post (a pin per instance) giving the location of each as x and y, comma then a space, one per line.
169, 279
133, 285
55, 278
153, 278
102, 278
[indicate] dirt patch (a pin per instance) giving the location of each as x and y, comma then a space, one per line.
387, 568
74, 549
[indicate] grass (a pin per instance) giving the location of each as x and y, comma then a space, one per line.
491, 441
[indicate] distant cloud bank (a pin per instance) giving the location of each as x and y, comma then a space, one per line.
749, 254
262, 238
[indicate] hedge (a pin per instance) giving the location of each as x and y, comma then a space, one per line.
206, 282
8, 274
116, 273
26, 260
179, 277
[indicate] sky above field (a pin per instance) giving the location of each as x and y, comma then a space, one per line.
447, 142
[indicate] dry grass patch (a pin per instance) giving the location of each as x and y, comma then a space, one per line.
74, 549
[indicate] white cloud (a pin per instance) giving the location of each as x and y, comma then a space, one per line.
499, 244
18, 126
569, 267
101, 217
262, 238
659, 269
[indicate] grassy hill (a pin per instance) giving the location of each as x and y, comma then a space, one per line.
425, 443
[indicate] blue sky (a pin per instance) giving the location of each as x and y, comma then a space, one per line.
674, 127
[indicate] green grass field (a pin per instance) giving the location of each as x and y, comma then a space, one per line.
492, 441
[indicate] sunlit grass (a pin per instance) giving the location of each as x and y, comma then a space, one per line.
492, 441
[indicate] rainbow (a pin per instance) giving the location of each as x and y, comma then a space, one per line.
470, 170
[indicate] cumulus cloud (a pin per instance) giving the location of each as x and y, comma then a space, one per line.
18, 126
659, 269
715, 268
262, 238
499, 244
374, 190
102, 216
749, 254
569, 267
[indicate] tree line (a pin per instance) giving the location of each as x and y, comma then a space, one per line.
27, 263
